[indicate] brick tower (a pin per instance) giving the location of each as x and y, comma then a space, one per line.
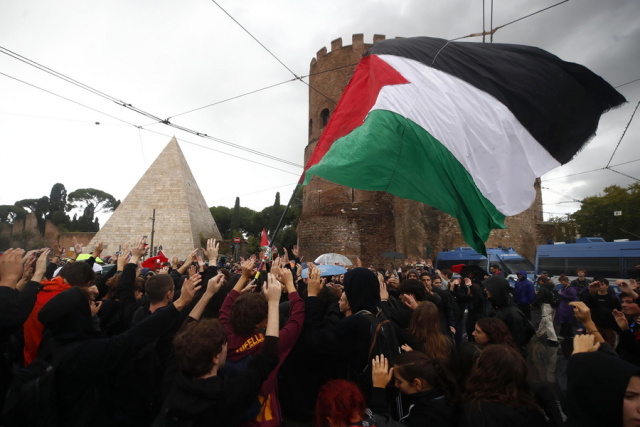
359, 223
182, 218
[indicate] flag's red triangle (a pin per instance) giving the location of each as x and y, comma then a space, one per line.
360, 95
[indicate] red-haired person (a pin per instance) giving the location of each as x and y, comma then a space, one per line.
340, 403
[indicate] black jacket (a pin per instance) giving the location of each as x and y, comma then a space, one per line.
506, 310
218, 401
85, 374
422, 409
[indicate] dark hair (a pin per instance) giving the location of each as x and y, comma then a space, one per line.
626, 295
79, 273
474, 272
563, 278
446, 273
413, 287
113, 282
339, 400
497, 331
425, 328
415, 364
500, 376
601, 279
157, 286
466, 357
196, 346
247, 311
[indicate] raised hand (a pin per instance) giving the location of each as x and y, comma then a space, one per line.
248, 268
621, 320
11, 267
77, 247
212, 251
380, 373
123, 259
314, 284
272, 289
384, 293
189, 289
214, 284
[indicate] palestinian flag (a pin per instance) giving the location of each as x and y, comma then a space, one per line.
463, 127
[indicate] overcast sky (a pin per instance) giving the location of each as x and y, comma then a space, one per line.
169, 57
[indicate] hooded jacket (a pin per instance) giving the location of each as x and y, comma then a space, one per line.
217, 401
521, 329
32, 328
88, 367
525, 292
239, 347
596, 385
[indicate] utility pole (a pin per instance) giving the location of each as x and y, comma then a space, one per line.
153, 230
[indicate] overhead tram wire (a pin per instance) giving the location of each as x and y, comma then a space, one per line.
493, 30
253, 91
271, 53
627, 83
135, 109
67, 99
223, 152
142, 128
623, 134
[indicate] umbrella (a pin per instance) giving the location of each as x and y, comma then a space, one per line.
326, 270
332, 258
391, 254
87, 256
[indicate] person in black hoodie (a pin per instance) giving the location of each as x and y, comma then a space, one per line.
602, 389
86, 366
201, 397
15, 306
497, 289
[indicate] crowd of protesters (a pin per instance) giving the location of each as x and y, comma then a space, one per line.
252, 343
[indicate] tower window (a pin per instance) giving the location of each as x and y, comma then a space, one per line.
324, 116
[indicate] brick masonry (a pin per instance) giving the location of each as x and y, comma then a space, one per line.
364, 224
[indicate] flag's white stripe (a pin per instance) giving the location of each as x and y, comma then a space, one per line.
481, 132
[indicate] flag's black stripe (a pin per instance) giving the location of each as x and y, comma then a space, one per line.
558, 102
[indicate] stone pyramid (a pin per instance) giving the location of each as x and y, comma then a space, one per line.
182, 217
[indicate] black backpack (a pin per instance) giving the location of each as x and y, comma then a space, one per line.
383, 339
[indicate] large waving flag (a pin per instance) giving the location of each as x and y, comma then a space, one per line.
463, 127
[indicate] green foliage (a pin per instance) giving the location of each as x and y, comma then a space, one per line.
58, 199
222, 216
565, 230
58, 207
101, 201
242, 221
9, 213
596, 216
39, 207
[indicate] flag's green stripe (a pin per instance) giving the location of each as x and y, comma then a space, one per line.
409, 163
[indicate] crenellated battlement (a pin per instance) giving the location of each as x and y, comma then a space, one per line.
357, 43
